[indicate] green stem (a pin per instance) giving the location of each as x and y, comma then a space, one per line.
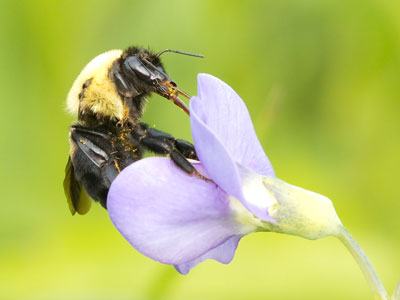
365, 265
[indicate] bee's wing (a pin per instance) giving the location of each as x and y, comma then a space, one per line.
77, 197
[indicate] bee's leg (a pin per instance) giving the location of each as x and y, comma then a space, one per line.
186, 148
181, 161
179, 150
94, 167
162, 143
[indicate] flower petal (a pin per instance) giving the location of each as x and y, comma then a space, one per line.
222, 157
224, 113
257, 199
168, 215
215, 158
223, 253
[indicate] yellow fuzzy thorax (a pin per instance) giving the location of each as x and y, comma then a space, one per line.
101, 96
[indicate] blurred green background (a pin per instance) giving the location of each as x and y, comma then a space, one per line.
321, 81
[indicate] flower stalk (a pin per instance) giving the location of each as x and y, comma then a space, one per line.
365, 265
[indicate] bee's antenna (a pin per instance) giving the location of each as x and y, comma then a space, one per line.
179, 52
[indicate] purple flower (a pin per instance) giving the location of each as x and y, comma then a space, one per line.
183, 220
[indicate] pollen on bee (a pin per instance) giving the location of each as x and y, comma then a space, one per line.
172, 91
117, 166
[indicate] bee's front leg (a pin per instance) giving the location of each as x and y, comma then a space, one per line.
162, 143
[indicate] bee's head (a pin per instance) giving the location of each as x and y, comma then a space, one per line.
139, 72
118, 79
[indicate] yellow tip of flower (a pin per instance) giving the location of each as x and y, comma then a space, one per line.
301, 212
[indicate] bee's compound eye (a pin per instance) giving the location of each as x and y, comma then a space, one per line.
123, 86
133, 66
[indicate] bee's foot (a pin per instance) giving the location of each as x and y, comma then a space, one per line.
199, 175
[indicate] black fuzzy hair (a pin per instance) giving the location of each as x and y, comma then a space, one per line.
143, 53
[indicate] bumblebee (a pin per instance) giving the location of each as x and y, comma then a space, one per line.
108, 98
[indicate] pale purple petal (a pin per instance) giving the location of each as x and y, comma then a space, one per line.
224, 171
223, 253
213, 133
168, 215
215, 158
224, 113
